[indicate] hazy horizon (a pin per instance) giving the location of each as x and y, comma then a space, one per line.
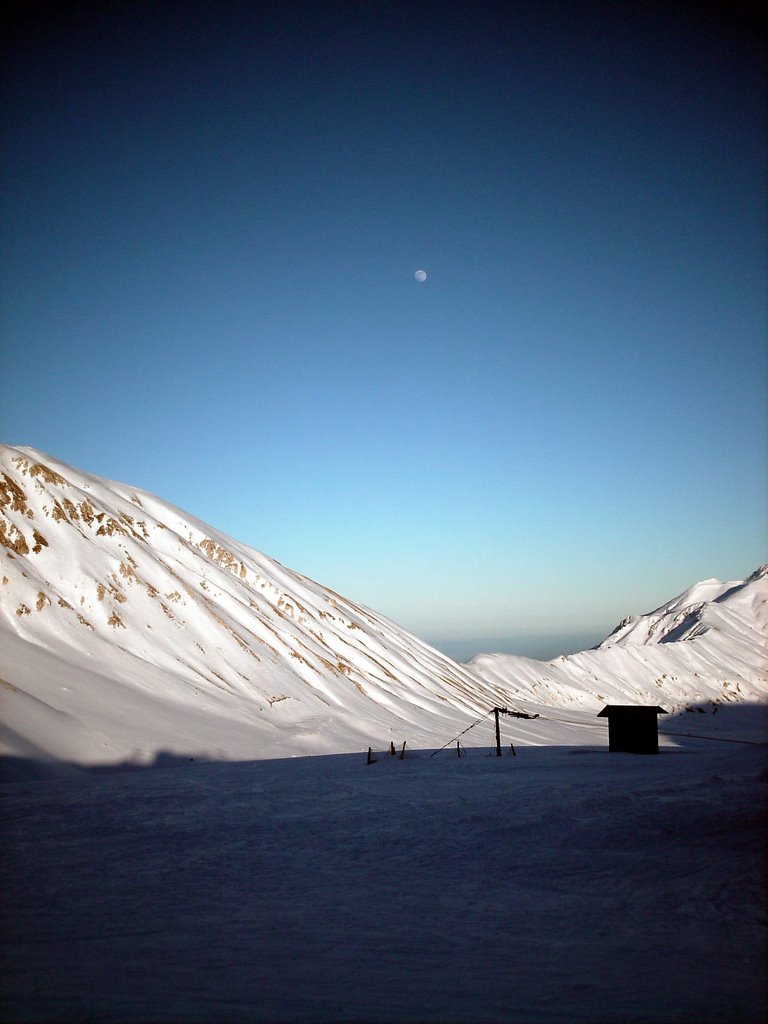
543, 647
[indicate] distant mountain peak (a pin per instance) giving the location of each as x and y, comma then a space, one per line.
693, 613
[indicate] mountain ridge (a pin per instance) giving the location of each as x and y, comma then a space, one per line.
150, 592
708, 644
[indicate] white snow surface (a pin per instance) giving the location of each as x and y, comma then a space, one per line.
165, 859
708, 646
129, 628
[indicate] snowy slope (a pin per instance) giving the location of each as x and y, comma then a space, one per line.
128, 627
709, 644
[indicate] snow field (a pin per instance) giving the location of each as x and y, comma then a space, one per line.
565, 884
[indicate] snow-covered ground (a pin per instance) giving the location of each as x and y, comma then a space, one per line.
172, 853
562, 885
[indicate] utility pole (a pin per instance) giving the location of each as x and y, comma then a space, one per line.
512, 714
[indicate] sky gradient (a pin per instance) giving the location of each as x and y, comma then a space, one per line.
211, 221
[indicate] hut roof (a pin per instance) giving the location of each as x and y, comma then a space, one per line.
628, 709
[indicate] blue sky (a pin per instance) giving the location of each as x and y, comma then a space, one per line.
211, 222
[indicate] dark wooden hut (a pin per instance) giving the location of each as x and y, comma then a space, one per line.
632, 728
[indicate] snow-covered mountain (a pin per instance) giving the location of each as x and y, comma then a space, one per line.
709, 644
129, 627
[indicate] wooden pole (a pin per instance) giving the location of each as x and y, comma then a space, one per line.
498, 733
402, 752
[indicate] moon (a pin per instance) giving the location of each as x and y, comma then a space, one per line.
420, 275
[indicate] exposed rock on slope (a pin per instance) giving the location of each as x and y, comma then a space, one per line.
130, 626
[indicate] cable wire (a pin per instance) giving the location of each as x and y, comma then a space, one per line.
486, 715
717, 739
